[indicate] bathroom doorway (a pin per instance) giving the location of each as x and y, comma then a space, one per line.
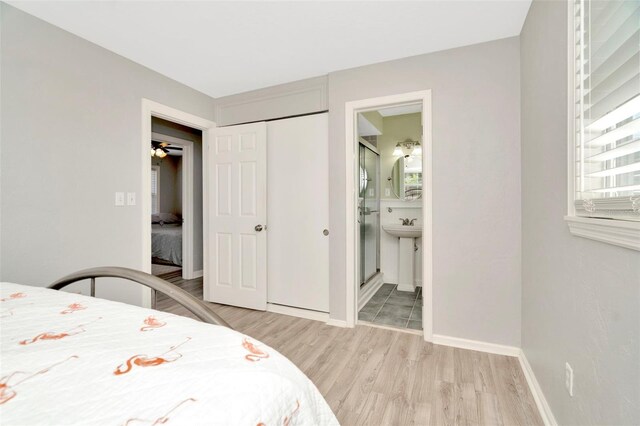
390, 216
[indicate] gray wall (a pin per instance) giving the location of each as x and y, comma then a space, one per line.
476, 177
170, 184
69, 108
580, 298
476, 218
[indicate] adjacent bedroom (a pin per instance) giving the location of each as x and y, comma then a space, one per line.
176, 199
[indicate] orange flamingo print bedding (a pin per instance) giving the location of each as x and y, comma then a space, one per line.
151, 323
125, 365
170, 355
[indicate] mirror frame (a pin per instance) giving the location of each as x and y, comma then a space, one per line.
404, 197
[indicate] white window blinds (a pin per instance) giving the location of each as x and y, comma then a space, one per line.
155, 197
607, 108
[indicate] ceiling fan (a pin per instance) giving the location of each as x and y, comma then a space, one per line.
162, 149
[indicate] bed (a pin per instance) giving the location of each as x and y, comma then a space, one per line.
73, 359
166, 242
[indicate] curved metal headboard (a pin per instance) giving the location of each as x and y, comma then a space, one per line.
197, 307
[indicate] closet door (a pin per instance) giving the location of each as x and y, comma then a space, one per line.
298, 212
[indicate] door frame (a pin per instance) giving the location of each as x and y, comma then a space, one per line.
352, 141
154, 109
188, 166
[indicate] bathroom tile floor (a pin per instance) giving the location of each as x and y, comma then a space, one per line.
394, 308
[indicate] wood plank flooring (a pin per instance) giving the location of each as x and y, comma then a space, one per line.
373, 376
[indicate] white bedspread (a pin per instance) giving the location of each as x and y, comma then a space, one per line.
72, 359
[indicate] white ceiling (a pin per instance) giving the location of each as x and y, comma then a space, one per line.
366, 128
222, 48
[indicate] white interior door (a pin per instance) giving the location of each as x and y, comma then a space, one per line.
298, 211
237, 260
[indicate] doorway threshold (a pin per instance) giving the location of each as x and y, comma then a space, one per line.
390, 328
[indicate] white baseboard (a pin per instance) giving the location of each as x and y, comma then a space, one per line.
198, 274
543, 406
336, 322
406, 288
298, 312
369, 290
476, 345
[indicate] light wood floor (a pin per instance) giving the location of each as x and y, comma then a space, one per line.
371, 376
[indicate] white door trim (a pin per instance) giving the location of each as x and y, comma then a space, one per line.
351, 108
155, 109
187, 200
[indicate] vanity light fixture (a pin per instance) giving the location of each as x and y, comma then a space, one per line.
407, 144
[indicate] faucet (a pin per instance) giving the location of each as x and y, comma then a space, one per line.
407, 222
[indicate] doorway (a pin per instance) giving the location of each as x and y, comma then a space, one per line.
176, 200
405, 185
192, 185
391, 221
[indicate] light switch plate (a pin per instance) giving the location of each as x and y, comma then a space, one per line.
131, 198
119, 198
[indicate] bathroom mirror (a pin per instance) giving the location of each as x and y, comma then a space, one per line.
406, 177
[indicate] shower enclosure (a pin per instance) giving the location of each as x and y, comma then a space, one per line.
369, 213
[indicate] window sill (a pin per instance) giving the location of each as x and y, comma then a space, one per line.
623, 233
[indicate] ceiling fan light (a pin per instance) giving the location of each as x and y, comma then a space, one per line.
160, 153
153, 152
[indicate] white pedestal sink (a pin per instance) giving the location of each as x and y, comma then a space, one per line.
406, 254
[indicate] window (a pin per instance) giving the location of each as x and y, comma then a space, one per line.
607, 108
155, 190
604, 111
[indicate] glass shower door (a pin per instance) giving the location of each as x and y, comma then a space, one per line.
369, 214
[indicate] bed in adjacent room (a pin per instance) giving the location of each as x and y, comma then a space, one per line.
73, 359
166, 240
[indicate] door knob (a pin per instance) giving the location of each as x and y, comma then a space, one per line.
258, 228
325, 232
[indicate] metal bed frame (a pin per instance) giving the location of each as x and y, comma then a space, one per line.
197, 307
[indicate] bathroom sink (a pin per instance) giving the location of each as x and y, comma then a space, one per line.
403, 231
406, 253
